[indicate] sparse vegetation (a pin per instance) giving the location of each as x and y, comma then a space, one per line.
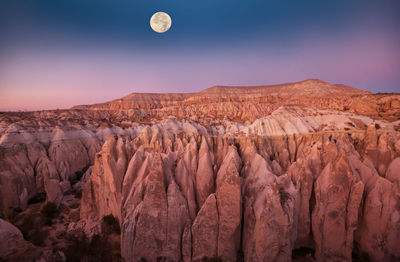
213, 259
365, 257
79, 174
111, 224
38, 237
109, 219
28, 223
100, 248
377, 126
78, 194
80, 248
302, 252
77, 247
49, 211
358, 256
40, 197
32, 229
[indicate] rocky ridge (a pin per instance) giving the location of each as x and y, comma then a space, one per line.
250, 103
258, 174
184, 197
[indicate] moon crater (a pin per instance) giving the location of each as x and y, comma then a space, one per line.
160, 22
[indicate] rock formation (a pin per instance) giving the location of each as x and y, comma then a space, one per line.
12, 243
231, 173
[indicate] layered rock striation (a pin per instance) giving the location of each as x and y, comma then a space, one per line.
231, 173
251, 103
258, 198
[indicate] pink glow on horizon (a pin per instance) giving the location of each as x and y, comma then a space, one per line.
30, 80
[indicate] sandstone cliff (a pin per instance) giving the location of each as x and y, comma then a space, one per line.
258, 199
255, 174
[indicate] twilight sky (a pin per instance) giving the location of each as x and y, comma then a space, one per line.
60, 53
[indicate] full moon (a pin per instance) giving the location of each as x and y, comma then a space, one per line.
160, 22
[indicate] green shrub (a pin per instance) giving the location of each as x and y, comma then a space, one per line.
78, 194
49, 211
28, 223
112, 223
40, 197
77, 248
32, 230
302, 252
110, 219
365, 257
79, 174
100, 249
38, 237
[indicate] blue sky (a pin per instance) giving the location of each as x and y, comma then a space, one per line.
59, 53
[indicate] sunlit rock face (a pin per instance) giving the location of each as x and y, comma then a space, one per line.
324, 196
251, 174
251, 103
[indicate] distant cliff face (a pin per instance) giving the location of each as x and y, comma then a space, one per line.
257, 173
186, 196
250, 103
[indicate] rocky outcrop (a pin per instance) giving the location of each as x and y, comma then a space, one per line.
335, 217
205, 231
393, 171
44, 159
229, 206
252, 103
228, 173
269, 224
103, 191
12, 243
17, 178
378, 230
146, 223
319, 198
303, 174
204, 179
